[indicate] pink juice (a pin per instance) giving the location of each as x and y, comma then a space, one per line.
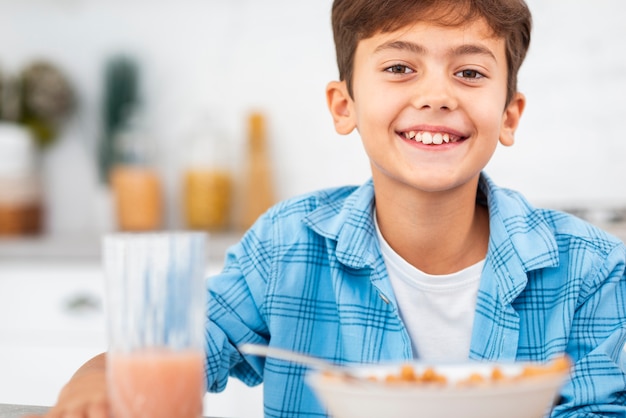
156, 383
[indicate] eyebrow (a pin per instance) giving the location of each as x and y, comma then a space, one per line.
466, 49
401, 45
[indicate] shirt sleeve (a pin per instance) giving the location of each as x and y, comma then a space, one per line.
598, 335
234, 317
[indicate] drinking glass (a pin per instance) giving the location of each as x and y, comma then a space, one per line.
155, 302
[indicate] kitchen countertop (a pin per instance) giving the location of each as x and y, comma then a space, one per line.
18, 411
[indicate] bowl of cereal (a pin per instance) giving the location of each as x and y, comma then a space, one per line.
470, 390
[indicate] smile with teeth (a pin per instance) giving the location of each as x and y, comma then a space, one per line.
428, 138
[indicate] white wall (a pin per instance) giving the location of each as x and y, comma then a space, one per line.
227, 57
570, 147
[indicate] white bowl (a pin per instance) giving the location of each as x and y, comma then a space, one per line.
521, 397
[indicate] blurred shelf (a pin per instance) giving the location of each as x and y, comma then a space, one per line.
87, 248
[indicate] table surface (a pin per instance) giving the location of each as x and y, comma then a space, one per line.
17, 411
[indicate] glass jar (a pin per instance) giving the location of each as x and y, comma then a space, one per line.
21, 202
258, 194
207, 181
135, 181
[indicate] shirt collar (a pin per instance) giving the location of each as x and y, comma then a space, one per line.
350, 225
514, 224
513, 219
520, 240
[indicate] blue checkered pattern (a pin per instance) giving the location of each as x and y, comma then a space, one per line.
309, 276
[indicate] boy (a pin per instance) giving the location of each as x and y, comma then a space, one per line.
429, 259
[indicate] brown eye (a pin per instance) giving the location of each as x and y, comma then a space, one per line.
399, 69
469, 74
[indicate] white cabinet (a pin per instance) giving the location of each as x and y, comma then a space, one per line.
52, 321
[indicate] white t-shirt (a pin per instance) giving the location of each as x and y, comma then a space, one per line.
438, 311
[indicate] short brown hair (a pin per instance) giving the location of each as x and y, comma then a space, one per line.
355, 20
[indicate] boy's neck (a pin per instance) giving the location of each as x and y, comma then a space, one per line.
439, 234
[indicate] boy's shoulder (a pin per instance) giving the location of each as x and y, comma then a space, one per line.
324, 203
519, 216
514, 217
326, 213
570, 227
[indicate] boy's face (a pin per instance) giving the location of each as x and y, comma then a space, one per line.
429, 103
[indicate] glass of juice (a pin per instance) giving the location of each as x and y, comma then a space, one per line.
155, 306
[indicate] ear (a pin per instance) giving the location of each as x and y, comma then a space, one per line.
511, 118
340, 105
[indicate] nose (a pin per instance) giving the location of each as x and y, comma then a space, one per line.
434, 92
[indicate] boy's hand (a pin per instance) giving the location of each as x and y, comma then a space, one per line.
85, 395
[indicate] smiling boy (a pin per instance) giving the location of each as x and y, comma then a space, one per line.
430, 105
429, 260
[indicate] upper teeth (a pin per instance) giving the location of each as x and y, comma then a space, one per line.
430, 137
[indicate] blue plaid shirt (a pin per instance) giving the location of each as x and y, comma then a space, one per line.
309, 276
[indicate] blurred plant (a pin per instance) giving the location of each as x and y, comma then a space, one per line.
47, 100
9, 98
1, 94
120, 101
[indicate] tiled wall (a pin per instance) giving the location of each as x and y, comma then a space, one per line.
224, 58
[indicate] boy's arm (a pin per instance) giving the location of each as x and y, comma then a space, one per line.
236, 299
234, 319
598, 386
85, 395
